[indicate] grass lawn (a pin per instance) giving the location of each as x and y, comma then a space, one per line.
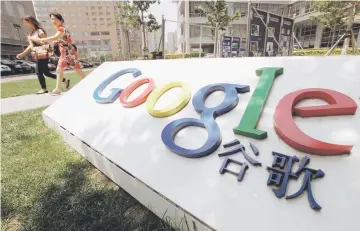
46, 185
31, 86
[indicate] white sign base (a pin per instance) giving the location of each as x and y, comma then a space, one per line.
125, 144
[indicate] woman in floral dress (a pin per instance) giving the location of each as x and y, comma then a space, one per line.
68, 54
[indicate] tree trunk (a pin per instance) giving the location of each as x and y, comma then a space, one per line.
350, 22
128, 42
333, 36
216, 42
353, 42
143, 33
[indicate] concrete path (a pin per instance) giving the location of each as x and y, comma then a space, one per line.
26, 102
12, 78
17, 78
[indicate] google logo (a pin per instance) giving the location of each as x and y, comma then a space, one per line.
284, 125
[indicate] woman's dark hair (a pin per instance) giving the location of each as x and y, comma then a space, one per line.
58, 16
33, 21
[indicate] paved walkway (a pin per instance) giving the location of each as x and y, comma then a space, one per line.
13, 78
26, 102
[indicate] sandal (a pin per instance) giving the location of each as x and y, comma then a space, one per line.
42, 92
56, 92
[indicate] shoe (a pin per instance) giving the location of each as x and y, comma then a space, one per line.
56, 92
42, 92
67, 84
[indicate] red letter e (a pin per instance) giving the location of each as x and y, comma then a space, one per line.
285, 127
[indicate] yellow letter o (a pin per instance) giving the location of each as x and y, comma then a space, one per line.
175, 107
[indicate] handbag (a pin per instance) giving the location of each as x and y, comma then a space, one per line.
41, 52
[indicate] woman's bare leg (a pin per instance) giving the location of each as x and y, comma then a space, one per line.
80, 73
60, 76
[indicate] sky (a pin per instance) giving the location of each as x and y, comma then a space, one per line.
169, 10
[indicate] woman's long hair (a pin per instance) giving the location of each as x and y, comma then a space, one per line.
33, 21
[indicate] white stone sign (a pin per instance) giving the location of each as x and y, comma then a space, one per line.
126, 143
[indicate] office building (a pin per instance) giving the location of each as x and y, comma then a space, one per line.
153, 40
171, 45
310, 34
91, 24
13, 33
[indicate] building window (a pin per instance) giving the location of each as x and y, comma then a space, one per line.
306, 34
108, 19
94, 19
96, 33
295, 9
327, 35
194, 11
93, 13
194, 31
308, 7
101, 13
93, 7
99, 7
240, 7
101, 19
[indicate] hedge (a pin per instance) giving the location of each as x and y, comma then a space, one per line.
181, 55
322, 52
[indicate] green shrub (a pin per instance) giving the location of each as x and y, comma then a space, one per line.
322, 52
181, 55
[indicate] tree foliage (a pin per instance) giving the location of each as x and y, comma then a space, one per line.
128, 16
217, 16
336, 13
129, 19
333, 13
147, 22
133, 15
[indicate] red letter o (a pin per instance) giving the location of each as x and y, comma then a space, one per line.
131, 88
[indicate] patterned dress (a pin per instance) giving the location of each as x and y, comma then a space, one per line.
68, 54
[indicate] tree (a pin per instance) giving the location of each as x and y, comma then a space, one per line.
337, 13
353, 9
148, 22
218, 19
129, 19
332, 16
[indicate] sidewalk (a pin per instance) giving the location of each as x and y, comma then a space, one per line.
6, 79
26, 102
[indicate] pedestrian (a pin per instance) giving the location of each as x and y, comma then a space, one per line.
41, 64
68, 55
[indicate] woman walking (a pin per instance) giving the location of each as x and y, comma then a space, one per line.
68, 54
41, 64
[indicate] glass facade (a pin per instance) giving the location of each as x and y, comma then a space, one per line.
306, 33
327, 34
